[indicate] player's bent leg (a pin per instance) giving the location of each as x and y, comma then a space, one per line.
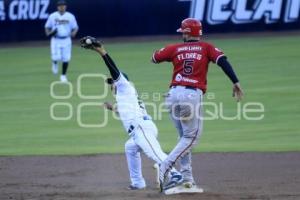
191, 127
145, 138
185, 162
188, 128
134, 163
183, 147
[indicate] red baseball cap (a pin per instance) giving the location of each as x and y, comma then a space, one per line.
191, 26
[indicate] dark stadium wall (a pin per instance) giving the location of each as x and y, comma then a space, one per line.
22, 20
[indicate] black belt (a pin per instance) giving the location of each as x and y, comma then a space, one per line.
186, 87
57, 37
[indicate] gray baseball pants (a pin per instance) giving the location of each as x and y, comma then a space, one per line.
185, 107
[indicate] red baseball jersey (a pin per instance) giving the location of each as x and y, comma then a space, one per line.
190, 61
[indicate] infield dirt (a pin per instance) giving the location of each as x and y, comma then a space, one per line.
225, 176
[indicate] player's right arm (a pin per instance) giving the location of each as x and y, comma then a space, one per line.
164, 54
92, 43
117, 77
50, 29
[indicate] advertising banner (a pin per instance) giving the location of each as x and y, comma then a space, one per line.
22, 20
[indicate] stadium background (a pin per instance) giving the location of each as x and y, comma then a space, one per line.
136, 18
263, 51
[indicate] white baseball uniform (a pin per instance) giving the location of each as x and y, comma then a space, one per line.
141, 129
61, 43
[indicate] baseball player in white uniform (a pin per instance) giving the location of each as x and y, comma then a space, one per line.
61, 26
137, 123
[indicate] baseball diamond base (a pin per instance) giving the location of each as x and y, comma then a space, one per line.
181, 189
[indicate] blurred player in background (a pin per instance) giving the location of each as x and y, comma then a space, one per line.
61, 26
136, 121
190, 60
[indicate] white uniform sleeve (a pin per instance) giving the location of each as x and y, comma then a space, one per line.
74, 24
49, 23
123, 85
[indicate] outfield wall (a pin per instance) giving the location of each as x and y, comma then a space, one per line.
22, 20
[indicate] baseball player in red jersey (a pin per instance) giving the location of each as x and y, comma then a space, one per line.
189, 83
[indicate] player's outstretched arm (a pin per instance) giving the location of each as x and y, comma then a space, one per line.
93, 44
228, 70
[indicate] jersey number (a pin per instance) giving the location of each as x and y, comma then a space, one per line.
188, 67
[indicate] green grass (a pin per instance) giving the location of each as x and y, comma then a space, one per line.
268, 68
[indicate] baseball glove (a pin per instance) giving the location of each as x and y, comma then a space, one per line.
89, 42
52, 33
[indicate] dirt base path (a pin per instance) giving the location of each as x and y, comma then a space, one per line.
222, 175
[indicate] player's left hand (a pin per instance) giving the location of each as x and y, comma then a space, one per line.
237, 92
108, 106
89, 42
52, 33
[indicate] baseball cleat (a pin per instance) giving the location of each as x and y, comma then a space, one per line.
175, 179
172, 181
131, 187
63, 78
